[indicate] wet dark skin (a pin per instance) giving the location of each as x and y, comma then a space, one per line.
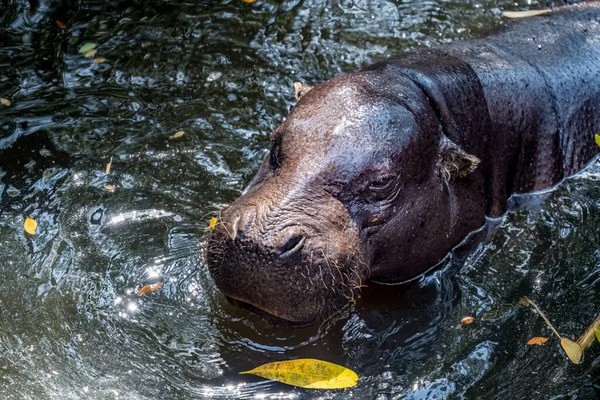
377, 175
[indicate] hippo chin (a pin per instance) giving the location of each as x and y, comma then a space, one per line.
377, 175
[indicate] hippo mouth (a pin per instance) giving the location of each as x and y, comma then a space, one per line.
267, 316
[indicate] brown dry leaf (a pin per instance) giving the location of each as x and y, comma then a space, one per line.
99, 60
5, 102
110, 187
524, 14
108, 166
537, 340
61, 24
572, 349
177, 134
150, 288
90, 53
467, 320
30, 225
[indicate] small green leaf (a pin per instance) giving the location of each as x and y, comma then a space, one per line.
87, 47
597, 137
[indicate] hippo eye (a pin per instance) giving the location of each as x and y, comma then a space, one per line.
381, 188
381, 183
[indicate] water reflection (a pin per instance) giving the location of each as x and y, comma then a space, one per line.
71, 323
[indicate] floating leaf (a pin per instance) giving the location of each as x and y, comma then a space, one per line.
177, 134
212, 223
537, 340
5, 102
524, 14
572, 349
99, 60
110, 187
61, 24
597, 137
249, 1
587, 338
597, 332
108, 166
307, 373
526, 302
467, 320
30, 225
87, 47
150, 288
90, 53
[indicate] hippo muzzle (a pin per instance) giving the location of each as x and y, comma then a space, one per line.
294, 259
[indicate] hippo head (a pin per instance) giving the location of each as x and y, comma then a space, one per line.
361, 183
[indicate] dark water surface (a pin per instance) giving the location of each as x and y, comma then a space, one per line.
71, 325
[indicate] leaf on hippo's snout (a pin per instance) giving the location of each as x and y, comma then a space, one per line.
150, 288
572, 349
212, 223
524, 14
537, 340
597, 137
307, 373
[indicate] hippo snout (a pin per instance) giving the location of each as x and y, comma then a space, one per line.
287, 267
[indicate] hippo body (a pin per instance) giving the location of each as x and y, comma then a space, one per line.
377, 175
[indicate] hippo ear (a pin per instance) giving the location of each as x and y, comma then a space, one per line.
300, 89
453, 162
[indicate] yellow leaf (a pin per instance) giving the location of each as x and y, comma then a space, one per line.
110, 187
572, 349
248, 1
524, 14
108, 166
212, 223
597, 332
177, 135
90, 53
30, 225
467, 320
150, 288
307, 373
99, 60
597, 139
537, 340
5, 102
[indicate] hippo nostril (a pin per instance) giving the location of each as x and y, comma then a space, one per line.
292, 244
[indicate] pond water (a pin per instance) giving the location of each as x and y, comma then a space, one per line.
222, 71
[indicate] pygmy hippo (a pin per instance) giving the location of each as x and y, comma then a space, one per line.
378, 174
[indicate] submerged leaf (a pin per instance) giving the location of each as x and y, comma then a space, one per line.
150, 288
90, 53
212, 223
537, 340
524, 14
87, 47
30, 225
61, 24
177, 134
572, 349
307, 373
